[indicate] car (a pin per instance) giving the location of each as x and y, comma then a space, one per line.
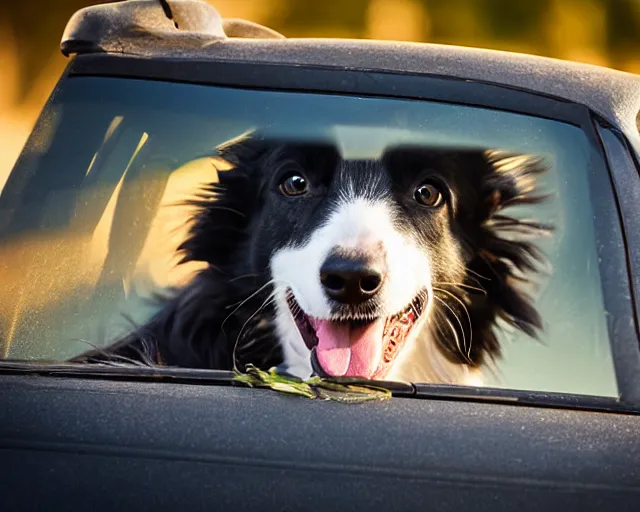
150, 89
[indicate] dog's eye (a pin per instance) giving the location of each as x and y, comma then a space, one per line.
428, 195
294, 185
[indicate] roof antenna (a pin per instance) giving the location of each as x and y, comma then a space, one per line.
167, 11
122, 27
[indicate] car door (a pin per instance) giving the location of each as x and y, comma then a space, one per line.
559, 430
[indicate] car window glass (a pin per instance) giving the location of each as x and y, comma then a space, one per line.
107, 145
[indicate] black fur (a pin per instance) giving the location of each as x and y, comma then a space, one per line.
225, 311
485, 182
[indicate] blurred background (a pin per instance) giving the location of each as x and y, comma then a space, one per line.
603, 32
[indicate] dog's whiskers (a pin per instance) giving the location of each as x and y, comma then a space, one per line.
477, 275
197, 202
238, 278
267, 301
466, 310
111, 359
269, 298
239, 304
453, 330
461, 285
467, 351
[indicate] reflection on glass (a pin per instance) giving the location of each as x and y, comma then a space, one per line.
90, 218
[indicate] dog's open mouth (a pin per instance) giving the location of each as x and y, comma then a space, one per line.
356, 348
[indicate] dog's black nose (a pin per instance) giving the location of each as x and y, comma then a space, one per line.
352, 279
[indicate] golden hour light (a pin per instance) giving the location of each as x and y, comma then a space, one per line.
306, 188
598, 32
320, 255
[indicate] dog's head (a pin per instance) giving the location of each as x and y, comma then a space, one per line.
369, 258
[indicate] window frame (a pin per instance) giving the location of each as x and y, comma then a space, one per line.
619, 283
624, 172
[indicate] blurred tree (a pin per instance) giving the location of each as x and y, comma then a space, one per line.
623, 33
509, 20
535, 26
36, 26
317, 18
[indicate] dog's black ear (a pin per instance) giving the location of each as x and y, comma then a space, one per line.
224, 208
245, 150
503, 253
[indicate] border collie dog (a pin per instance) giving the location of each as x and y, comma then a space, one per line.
397, 268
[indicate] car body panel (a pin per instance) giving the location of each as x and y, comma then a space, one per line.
114, 442
198, 447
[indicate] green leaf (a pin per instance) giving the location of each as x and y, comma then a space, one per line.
313, 388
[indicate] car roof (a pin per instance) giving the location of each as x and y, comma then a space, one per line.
193, 29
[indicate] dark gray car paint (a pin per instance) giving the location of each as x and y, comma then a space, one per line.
73, 444
626, 182
114, 445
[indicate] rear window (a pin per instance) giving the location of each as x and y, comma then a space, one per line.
90, 217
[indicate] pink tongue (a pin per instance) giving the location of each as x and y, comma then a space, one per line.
346, 351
